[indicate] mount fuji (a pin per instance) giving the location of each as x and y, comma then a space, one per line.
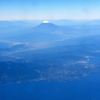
47, 27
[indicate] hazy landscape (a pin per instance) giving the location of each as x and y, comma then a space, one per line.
48, 52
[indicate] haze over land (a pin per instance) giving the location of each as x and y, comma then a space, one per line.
55, 39
49, 49
47, 52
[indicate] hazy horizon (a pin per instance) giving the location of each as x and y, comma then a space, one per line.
49, 10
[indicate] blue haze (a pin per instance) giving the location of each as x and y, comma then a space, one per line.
46, 10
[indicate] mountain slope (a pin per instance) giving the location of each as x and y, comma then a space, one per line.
47, 27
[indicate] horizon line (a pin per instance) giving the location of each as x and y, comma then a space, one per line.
49, 19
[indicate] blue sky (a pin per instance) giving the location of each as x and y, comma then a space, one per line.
49, 9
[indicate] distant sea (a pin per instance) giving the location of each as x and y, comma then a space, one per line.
88, 88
